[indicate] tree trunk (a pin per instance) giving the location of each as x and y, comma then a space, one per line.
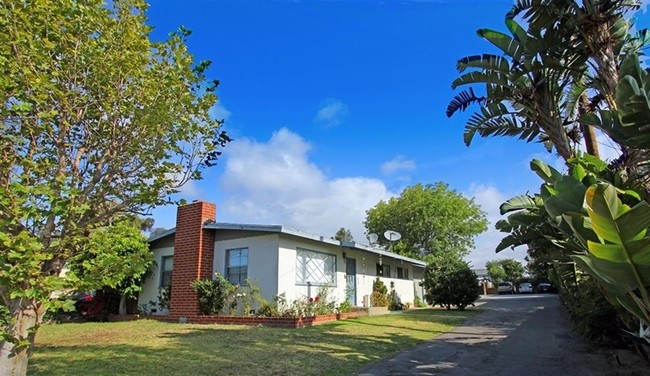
123, 302
588, 132
590, 139
14, 357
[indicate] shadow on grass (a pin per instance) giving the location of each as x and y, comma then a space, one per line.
336, 348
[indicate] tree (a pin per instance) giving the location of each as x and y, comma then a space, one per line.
505, 270
565, 64
116, 258
343, 235
97, 121
433, 220
450, 283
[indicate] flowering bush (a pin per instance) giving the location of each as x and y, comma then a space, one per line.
304, 307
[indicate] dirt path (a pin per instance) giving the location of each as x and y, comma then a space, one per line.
517, 335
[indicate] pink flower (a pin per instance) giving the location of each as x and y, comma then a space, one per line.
311, 300
317, 298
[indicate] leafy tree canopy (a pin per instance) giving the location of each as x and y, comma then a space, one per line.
344, 235
505, 270
433, 220
97, 121
450, 283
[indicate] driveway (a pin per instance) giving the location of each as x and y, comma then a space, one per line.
516, 335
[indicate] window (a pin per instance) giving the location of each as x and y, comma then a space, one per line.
402, 273
237, 265
166, 266
315, 268
383, 270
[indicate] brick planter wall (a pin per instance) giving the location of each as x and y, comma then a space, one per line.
193, 255
272, 322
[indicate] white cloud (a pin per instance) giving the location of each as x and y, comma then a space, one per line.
399, 163
220, 112
274, 182
331, 113
490, 198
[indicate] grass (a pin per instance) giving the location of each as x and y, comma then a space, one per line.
152, 347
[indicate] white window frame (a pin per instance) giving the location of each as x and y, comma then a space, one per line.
161, 282
304, 258
229, 267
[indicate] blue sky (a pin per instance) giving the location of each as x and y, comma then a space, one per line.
335, 105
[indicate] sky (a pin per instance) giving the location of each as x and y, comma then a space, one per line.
336, 105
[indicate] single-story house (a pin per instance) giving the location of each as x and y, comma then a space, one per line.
275, 258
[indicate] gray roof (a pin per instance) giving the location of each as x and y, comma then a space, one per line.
278, 229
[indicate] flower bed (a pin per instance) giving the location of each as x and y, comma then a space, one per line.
273, 322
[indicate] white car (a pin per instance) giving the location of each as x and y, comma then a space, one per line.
506, 288
525, 288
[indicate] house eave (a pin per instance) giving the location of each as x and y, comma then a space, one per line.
278, 229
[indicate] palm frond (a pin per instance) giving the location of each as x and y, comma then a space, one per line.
485, 61
493, 119
510, 46
462, 100
480, 77
520, 6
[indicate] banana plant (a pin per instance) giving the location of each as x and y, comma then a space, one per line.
620, 259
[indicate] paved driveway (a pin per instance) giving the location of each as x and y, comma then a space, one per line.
517, 335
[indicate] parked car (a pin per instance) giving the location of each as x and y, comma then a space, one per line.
544, 288
506, 288
525, 288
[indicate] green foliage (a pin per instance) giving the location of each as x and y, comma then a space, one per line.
432, 219
394, 302
344, 235
592, 316
115, 256
450, 283
212, 293
379, 295
97, 121
505, 270
164, 297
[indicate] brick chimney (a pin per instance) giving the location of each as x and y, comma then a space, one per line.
193, 255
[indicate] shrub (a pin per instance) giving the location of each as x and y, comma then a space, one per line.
450, 283
394, 302
212, 293
164, 297
379, 297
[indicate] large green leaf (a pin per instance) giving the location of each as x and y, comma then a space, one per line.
544, 171
484, 61
519, 203
504, 42
623, 253
596, 268
569, 197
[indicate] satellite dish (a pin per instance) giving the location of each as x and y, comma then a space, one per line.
392, 235
372, 238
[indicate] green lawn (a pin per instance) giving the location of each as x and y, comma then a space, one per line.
148, 347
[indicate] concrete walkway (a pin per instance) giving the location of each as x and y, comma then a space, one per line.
516, 335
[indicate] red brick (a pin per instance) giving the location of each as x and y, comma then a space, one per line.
193, 255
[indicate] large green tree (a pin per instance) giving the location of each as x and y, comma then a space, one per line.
433, 220
505, 270
97, 120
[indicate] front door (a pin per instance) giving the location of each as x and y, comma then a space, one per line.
351, 279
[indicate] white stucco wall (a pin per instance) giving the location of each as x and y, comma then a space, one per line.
367, 272
150, 286
262, 260
272, 267
287, 273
